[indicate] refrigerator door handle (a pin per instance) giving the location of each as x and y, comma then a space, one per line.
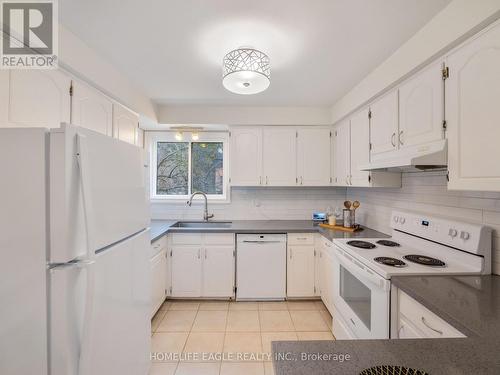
73, 264
82, 157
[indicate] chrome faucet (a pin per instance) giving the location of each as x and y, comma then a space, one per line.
206, 216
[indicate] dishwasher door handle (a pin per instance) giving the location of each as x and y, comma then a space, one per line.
248, 241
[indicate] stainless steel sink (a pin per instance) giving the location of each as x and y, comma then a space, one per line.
203, 224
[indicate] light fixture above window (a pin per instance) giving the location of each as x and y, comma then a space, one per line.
246, 71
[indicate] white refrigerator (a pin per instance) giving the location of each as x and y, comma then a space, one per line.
74, 243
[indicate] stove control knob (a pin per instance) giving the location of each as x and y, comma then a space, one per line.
402, 220
396, 219
464, 235
452, 233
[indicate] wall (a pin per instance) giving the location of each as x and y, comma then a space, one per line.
459, 20
258, 204
427, 192
244, 115
80, 60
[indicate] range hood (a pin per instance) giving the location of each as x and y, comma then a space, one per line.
428, 156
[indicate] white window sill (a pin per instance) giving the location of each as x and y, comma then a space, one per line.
196, 202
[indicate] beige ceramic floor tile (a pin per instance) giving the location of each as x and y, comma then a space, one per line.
190, 368
308, 321
163, 368
242, 342
302, 305
210, 321
327, 318
272, 321
244, 306
184, 305
268, 368
214, 305
155, 322
243, 321
303, 336
204, 342
171, 342
166, 305
242, 368
273, 306
177, 321
268, 337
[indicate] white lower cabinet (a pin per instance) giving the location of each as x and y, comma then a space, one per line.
327, 276
202, 265
301, 264
416, 321
159, 274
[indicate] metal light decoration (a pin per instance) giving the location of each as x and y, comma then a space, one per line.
246, 71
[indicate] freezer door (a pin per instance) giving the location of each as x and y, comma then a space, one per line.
119, 207
115, 337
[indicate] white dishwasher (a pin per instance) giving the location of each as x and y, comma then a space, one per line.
261, 267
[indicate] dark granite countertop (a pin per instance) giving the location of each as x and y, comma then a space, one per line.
470, 303
162, 227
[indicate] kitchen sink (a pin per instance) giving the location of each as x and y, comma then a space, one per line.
203, 224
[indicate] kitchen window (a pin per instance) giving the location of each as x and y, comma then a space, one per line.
181, 167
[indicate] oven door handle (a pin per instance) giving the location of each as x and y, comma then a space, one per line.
360, 271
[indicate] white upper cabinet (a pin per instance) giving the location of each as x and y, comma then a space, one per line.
313, 156
473, 113
279, 156
360, 148
421, 110
341, 153
246, 156
34, 98
125, 124
91, 109
384, 125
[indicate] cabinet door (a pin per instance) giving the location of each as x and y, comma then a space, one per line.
158, 277
91, 109
317, 272
300, 271
280, 156
125, 124
473, 112
246, 156
218, 271
360, 148
341, 154
313, 157
329, 279
407, 331
186, 271
421, 107
34, 98
384, 124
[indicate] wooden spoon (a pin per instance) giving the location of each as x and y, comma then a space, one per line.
355, 205
347, 204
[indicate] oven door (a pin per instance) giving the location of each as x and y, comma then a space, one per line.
361, 297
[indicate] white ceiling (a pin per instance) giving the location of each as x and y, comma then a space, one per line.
319, 49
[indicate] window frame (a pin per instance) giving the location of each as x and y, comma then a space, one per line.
209, 137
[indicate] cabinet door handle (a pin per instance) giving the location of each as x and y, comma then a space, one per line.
428, 326
206, 254
290, 253
401, 137
301, 180
260, 180
347, 180
393, 137
199, 255
266, 181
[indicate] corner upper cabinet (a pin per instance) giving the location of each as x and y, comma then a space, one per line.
384, 126
360, 148
279, 156
473, 113
341, 153
125, 124
34, 98
246, 156
313, 156
91, 109
421, 107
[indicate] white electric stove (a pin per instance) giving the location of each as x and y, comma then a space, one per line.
420, 245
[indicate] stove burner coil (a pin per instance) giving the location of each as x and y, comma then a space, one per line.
388, 243
425, 260
362, 244
388, 261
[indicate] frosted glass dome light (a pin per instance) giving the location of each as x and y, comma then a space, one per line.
246, 71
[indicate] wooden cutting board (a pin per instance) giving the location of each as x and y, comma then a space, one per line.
341, 228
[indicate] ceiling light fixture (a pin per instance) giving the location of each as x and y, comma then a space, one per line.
195, 136
246, 71
178, 136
